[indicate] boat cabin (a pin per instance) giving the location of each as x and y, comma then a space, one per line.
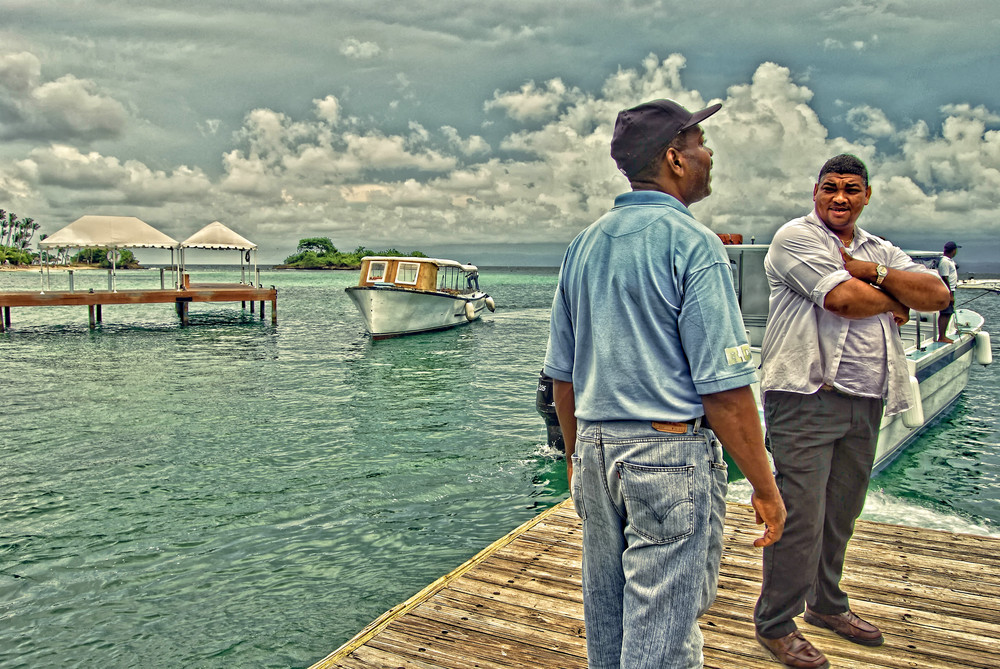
426, 274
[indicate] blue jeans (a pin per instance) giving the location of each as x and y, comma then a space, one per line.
653, 506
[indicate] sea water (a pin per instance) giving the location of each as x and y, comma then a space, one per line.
237, 493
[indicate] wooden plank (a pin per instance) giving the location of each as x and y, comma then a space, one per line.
197, 293
519, 604
94, 300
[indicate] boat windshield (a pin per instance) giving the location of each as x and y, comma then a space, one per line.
450, 279
929, 259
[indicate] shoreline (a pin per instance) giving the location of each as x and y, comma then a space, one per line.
36, 268
54, 268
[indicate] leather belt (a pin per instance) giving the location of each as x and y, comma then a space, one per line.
681, 427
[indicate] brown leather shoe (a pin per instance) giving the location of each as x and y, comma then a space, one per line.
847, 625
793, 650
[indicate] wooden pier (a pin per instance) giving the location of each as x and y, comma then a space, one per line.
181, 298
935, 595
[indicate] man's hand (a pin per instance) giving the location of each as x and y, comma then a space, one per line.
900, 314
771, 512
859, 269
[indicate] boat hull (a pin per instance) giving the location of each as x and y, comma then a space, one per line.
942, 372
393, 312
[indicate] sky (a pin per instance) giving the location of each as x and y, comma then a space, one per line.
482, 130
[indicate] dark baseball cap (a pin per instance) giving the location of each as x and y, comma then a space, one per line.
950, 246
641, 132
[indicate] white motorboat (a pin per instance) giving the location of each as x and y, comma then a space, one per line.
408, 295
939, 372
980, 284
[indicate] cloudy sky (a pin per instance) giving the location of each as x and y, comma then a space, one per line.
450, 126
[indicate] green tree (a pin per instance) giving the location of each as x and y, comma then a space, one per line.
15, 237
13, 225
99, 257
320, 245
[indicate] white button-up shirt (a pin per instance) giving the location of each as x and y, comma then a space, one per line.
804, 344
948, 271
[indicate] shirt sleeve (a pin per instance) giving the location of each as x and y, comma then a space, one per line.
896, 258
712, 332
559, 353
807, 262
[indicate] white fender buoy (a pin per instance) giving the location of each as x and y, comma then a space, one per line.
984, 351
914, 416
490, 304
470, 311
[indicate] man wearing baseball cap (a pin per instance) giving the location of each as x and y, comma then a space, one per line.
949, 273
652, 370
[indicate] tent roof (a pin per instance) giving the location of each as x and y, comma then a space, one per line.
108, 232
217, 236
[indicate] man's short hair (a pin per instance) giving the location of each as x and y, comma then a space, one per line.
845, 163
652, 169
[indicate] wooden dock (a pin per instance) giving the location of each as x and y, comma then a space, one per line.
935, 595
181, 298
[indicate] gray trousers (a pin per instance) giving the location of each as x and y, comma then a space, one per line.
823, 447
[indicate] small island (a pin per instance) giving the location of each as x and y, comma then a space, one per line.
320, 253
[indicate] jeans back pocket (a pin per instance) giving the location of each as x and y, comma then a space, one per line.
659, 500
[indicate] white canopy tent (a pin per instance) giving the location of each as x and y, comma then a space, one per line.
217, 236
109, 232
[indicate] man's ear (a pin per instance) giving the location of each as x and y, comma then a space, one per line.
675, 160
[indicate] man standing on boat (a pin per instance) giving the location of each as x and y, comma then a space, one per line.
832, 361
949, 274
651, 368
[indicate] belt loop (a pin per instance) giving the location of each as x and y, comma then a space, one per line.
697, 425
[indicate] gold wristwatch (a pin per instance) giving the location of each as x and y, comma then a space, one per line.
880, 273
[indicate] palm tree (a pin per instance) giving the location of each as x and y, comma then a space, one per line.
3, 225
28, 229
12, 225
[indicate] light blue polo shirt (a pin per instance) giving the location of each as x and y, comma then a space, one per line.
645, 319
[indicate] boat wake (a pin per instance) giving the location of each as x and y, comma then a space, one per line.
885, 508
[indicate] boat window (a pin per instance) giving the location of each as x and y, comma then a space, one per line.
376, 270
407, 273
448, 279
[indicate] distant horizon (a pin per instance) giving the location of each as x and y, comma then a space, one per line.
976, 255
984, 269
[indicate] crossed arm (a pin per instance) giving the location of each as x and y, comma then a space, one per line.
900, 291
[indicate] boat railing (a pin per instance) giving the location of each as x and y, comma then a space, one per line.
920, 331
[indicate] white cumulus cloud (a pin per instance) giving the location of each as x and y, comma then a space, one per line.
67, 108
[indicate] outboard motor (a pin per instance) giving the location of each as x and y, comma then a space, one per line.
547, 408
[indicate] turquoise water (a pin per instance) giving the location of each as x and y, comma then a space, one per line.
241, 494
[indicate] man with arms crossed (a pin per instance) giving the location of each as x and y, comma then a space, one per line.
949, 274
832, 360
651, 368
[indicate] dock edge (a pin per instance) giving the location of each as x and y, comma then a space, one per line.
383, 621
